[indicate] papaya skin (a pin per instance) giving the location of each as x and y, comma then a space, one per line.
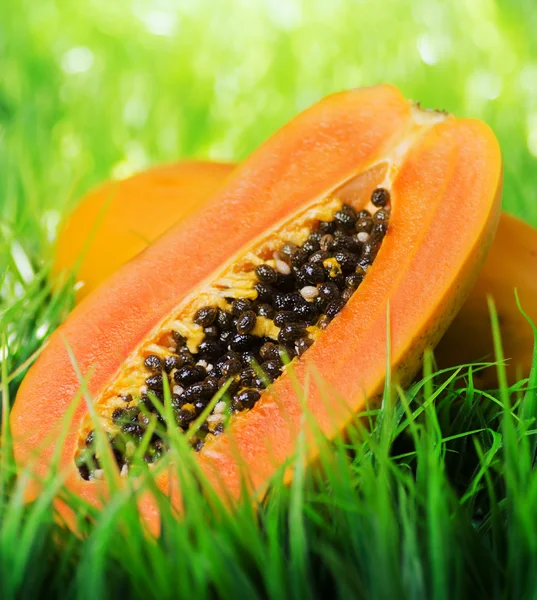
177, 190
449, 180
118, 220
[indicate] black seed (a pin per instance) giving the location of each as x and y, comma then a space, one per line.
224, 319
328, 291
381, 215
189, 374
346, 243
172, 362
333, 308
315, 236
291, 300
346, 217
380, 197
230, 355
365, 225
347, 261
326, 227
353, 280
198, 391
369, 253
90, 438
248, 398
242, 342
279, 301
266, 274
291, 332
225, 337
154, 382
285, 283
185, 358
184, 417
310, 246
284, 316
272, 368
126, 397
178, 339
218, 429
247, 374
313, 273
230, 367
240, 305
346, 295
265, 310
152, 362
206, 316
211, 349
269, 351
246, 322
264, 292
84, 472
306, 312
211, 332
300, 256
211, 383
288, 248
132, 429
339, 280
319, 256
379, 230
363, 214
119, 415
302, 345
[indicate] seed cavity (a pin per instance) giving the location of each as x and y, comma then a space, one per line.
240, 335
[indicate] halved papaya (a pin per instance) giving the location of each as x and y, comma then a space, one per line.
364, 210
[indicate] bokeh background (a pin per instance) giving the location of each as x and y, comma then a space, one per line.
92, 89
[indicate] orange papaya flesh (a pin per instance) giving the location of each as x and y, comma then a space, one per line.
118, 220
511, 264
439, 174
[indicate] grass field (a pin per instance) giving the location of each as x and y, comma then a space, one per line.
439, 500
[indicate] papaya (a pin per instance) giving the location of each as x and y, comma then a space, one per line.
344, 244
115, 222
178, 189
511, 264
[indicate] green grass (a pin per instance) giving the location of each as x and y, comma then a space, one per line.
439, 499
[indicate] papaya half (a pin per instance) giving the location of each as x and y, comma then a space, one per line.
365, 214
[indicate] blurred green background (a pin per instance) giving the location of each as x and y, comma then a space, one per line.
91, 89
